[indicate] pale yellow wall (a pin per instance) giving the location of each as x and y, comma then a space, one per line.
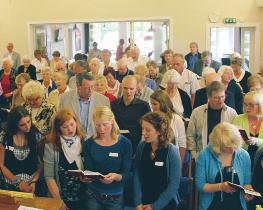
189, 17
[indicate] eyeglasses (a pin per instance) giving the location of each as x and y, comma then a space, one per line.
218, 98
251, 105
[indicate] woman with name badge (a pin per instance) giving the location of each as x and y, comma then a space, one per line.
62, 153
109, 154
21, 166
158, 169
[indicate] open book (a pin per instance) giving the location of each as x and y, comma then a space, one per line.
86, 174
249, 192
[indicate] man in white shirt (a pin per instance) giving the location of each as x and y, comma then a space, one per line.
105, 57
188, 82
136, 59
39, 63
14, 56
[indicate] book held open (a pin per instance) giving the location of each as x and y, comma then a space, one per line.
246, 191
86, 174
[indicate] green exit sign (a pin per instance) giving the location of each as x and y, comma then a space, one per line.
230, 20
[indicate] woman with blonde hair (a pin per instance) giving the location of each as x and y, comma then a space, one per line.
101, 87
21, 80
223, 161
142, 70
108, 153
62, 153
36, 104
251, 122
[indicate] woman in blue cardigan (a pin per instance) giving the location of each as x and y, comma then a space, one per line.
157, 173
223, 161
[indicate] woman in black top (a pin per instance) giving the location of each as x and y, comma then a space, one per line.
21, 167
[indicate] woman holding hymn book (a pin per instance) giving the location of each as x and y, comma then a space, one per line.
221, 162
109, 154
63, 153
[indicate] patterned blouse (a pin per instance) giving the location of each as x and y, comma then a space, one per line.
44, 116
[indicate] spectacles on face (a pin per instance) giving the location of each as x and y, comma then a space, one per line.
218, 98
250, 105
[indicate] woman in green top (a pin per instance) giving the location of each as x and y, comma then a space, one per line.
251, 122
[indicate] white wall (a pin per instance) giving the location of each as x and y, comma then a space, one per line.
189, 17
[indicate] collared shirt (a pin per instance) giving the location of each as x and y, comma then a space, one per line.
188, 81
47, 89
192, 60
84, 112
39, 65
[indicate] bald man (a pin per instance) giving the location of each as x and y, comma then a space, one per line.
128, 110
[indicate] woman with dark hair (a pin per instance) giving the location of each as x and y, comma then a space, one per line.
156, 157
63, 153
160, 101
112, 83
21, 166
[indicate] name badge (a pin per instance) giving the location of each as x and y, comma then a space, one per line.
113, 154
158, 163
10, 148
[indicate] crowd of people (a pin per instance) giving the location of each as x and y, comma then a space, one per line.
136, 123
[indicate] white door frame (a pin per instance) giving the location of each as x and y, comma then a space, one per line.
31, 35
256, 25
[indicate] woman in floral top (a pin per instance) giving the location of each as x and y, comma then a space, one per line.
40, 111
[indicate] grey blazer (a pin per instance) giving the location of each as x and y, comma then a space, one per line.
70, 100
198, 66
15, 58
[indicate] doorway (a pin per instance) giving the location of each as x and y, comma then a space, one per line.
223, 40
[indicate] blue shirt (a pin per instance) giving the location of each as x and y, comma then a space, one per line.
116, 158
84, 112
192, 60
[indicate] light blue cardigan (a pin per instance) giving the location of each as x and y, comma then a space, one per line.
207, 167
173, 163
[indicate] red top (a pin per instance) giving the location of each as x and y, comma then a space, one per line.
6, 84
110, 96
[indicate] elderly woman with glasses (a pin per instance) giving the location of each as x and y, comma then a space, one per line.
251, 122
240, 75
40, 111
221, 162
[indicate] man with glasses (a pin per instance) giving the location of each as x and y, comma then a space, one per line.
83, 100
204, 118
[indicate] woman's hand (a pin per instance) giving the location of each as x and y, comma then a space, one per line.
33, 187
225, 187
109, 178
63, 207
139, 207
147, 207
25, 187
248, 197
85, 180
252, 141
